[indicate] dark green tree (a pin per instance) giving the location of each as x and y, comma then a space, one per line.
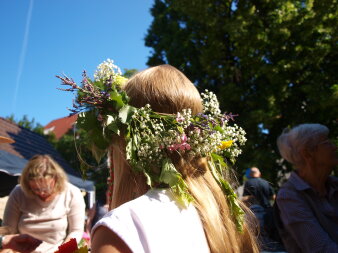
272, 62
27, 123
129, 72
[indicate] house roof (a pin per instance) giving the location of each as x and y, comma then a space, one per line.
27, 144
61, 126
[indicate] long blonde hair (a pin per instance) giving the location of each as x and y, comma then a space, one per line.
168, 90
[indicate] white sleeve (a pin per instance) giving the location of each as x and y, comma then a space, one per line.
76, 214
12, 211
122, 223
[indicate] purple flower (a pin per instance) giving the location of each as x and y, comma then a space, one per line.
230, 116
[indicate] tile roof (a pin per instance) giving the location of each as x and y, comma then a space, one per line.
61, 126
28, 143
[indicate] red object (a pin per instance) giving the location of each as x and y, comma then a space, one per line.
61, 126
68, 247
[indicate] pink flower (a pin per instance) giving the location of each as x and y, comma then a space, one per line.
171, 148
185, 146
184, 138
180, 146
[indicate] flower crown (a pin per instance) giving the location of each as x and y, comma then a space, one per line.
151, 137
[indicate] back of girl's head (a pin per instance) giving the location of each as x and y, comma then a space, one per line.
40, 166
165, 88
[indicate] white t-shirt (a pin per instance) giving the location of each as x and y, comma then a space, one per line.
155, 222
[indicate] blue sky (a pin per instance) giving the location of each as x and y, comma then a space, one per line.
43, 38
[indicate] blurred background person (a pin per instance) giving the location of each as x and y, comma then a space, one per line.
308, 201
258, 194
259, 188
45, 205
17, 242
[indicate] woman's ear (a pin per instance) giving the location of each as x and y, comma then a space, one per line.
306, 154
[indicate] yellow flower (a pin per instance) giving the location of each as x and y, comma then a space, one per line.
225, 144
120, 80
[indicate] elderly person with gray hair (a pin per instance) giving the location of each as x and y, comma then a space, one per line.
308, 201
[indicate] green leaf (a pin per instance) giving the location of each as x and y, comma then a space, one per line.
113, 124
87, 120
116, 96
219, 159
148, 178
126, 113
235, 209
219, 129
97, 152
169, 175
180, 129
98, 83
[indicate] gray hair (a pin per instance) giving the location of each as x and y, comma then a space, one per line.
292, 141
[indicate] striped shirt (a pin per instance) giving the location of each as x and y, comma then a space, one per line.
304, 229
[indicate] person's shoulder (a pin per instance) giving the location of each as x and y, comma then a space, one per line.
72, 189
149, 203
123, 222
18, 195
287, 192
17, 190
262, 180
250, 181
255, 181
118, 219
135, 204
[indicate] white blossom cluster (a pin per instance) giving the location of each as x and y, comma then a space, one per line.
184, 118
186, 134
106, 70
149, 132
205, 142
210, 103
237, 135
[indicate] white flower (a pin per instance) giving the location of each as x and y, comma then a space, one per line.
106, 70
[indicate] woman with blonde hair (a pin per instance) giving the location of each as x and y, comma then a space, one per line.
169, 193
18, 242
45, 205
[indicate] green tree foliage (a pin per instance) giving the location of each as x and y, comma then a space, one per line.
273, 62
129, 72
27, 123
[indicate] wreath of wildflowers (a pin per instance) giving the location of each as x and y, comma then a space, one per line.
104, 112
